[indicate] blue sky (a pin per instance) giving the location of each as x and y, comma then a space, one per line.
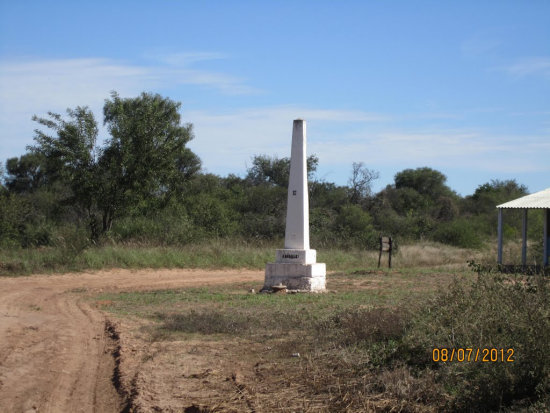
462, 87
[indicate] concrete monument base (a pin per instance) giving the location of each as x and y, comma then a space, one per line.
297, 270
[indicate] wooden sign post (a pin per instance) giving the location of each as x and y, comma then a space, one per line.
385, 246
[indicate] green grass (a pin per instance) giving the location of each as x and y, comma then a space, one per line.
346, 289
233, 298
212, 254
207, 255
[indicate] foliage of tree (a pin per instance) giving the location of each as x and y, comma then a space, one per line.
147, 153
70, 156
481, 206
426, 181
421, 197
25, 174
493, 193
275, 171
327, 195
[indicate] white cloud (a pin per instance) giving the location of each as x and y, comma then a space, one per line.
530, 66
226, 142
35, 86
53, 82
229, 140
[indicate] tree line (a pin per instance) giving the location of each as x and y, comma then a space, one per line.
143, 184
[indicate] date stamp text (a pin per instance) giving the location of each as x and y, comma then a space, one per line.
468, 355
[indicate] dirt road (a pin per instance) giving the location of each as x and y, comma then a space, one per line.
56, 350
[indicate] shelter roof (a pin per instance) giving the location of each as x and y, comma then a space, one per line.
539, 199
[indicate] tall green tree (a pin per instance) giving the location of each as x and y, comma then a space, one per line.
142, 165
146, 160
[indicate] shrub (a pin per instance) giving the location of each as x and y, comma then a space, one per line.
37, 234
211, 215
260, 226
354, 226
22, 224
363, 325
492, 312
459, 233
164, 228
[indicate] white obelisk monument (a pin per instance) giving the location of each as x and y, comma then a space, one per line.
295, 266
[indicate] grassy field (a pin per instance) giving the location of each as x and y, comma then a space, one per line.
218, 254
368, 343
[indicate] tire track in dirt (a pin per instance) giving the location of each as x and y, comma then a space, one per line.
56, 354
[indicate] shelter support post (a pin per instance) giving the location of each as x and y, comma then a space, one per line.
546, 241
499, 235
524, 239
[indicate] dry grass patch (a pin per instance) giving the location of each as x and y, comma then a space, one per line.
434, 254
365, 346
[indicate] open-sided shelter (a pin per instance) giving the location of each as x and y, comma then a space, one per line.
538, 200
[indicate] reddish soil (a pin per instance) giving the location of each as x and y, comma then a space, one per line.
60, 353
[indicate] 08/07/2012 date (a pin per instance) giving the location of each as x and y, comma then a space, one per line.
462, 355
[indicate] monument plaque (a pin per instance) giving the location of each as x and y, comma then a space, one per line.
296, 265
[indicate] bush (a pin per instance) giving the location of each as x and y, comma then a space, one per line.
211, 215
160, 228
353, 226
492, 312
460, 233
258, 226
13, 214
358, 325
37, 234
321, 222
22, 224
